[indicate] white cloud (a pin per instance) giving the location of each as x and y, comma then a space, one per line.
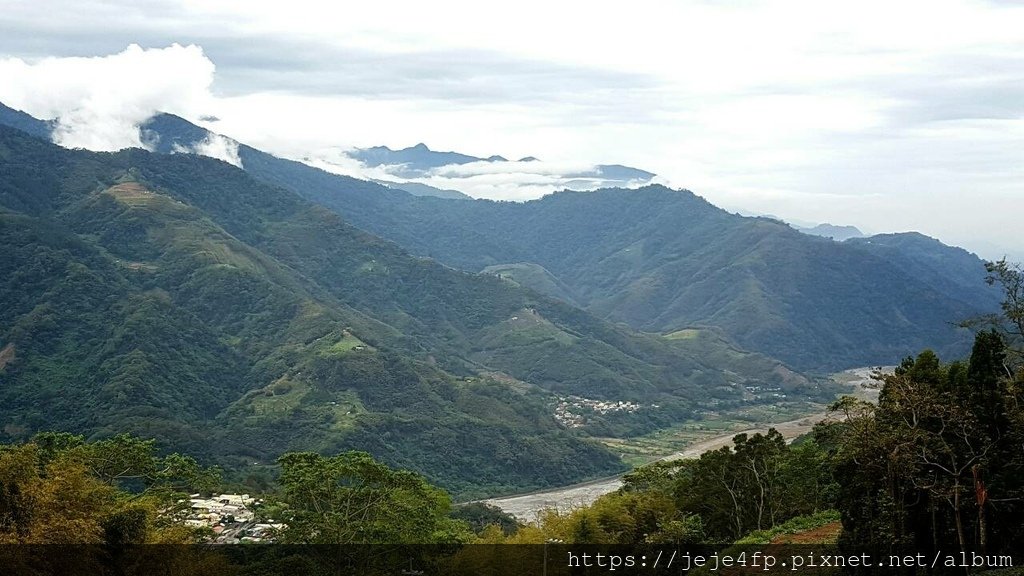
539, 167
520, 180
214, 146
510, 180
336, 161
100, 101
519, 186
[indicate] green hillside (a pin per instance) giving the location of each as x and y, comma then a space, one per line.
661, 260
174, 296
533, 276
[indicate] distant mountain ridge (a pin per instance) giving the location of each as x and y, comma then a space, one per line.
418, 160
24, 122
418, 189
480, 176
928, 259
661, 260
837, 233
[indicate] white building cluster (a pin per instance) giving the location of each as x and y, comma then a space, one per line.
570, 410
231, 518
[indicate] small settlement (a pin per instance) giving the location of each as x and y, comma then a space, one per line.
231, 518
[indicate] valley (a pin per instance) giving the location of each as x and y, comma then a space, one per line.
176, 296
459, 288
688, 442
327, 337
162, 304
527, 507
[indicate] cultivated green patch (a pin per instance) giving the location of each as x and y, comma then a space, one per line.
347, 343
687, 334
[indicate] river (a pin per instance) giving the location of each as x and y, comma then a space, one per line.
527, 507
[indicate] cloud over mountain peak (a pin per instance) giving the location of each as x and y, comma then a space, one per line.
99, 102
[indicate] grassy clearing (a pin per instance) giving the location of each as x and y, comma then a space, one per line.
687, 334
820, 528
132, 193
284, 398
346, 344
6, 355
136, 195
345, 410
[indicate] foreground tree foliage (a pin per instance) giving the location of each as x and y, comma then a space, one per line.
755, 484
59, 489
937, 464
351, 498
1010, 277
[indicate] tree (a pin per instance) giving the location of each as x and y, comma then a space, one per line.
59, 489
1011, 278
937, 464
481, 517
746, 487
760, 458
351, 498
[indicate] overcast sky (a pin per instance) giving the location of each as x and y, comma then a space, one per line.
890, 116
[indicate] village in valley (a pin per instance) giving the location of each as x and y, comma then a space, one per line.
569, 410
231, 518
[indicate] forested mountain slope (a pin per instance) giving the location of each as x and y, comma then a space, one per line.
176, 296
662, 259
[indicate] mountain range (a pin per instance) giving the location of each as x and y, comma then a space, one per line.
832, 231
419, 161
179, 297
248, 304
662, 260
